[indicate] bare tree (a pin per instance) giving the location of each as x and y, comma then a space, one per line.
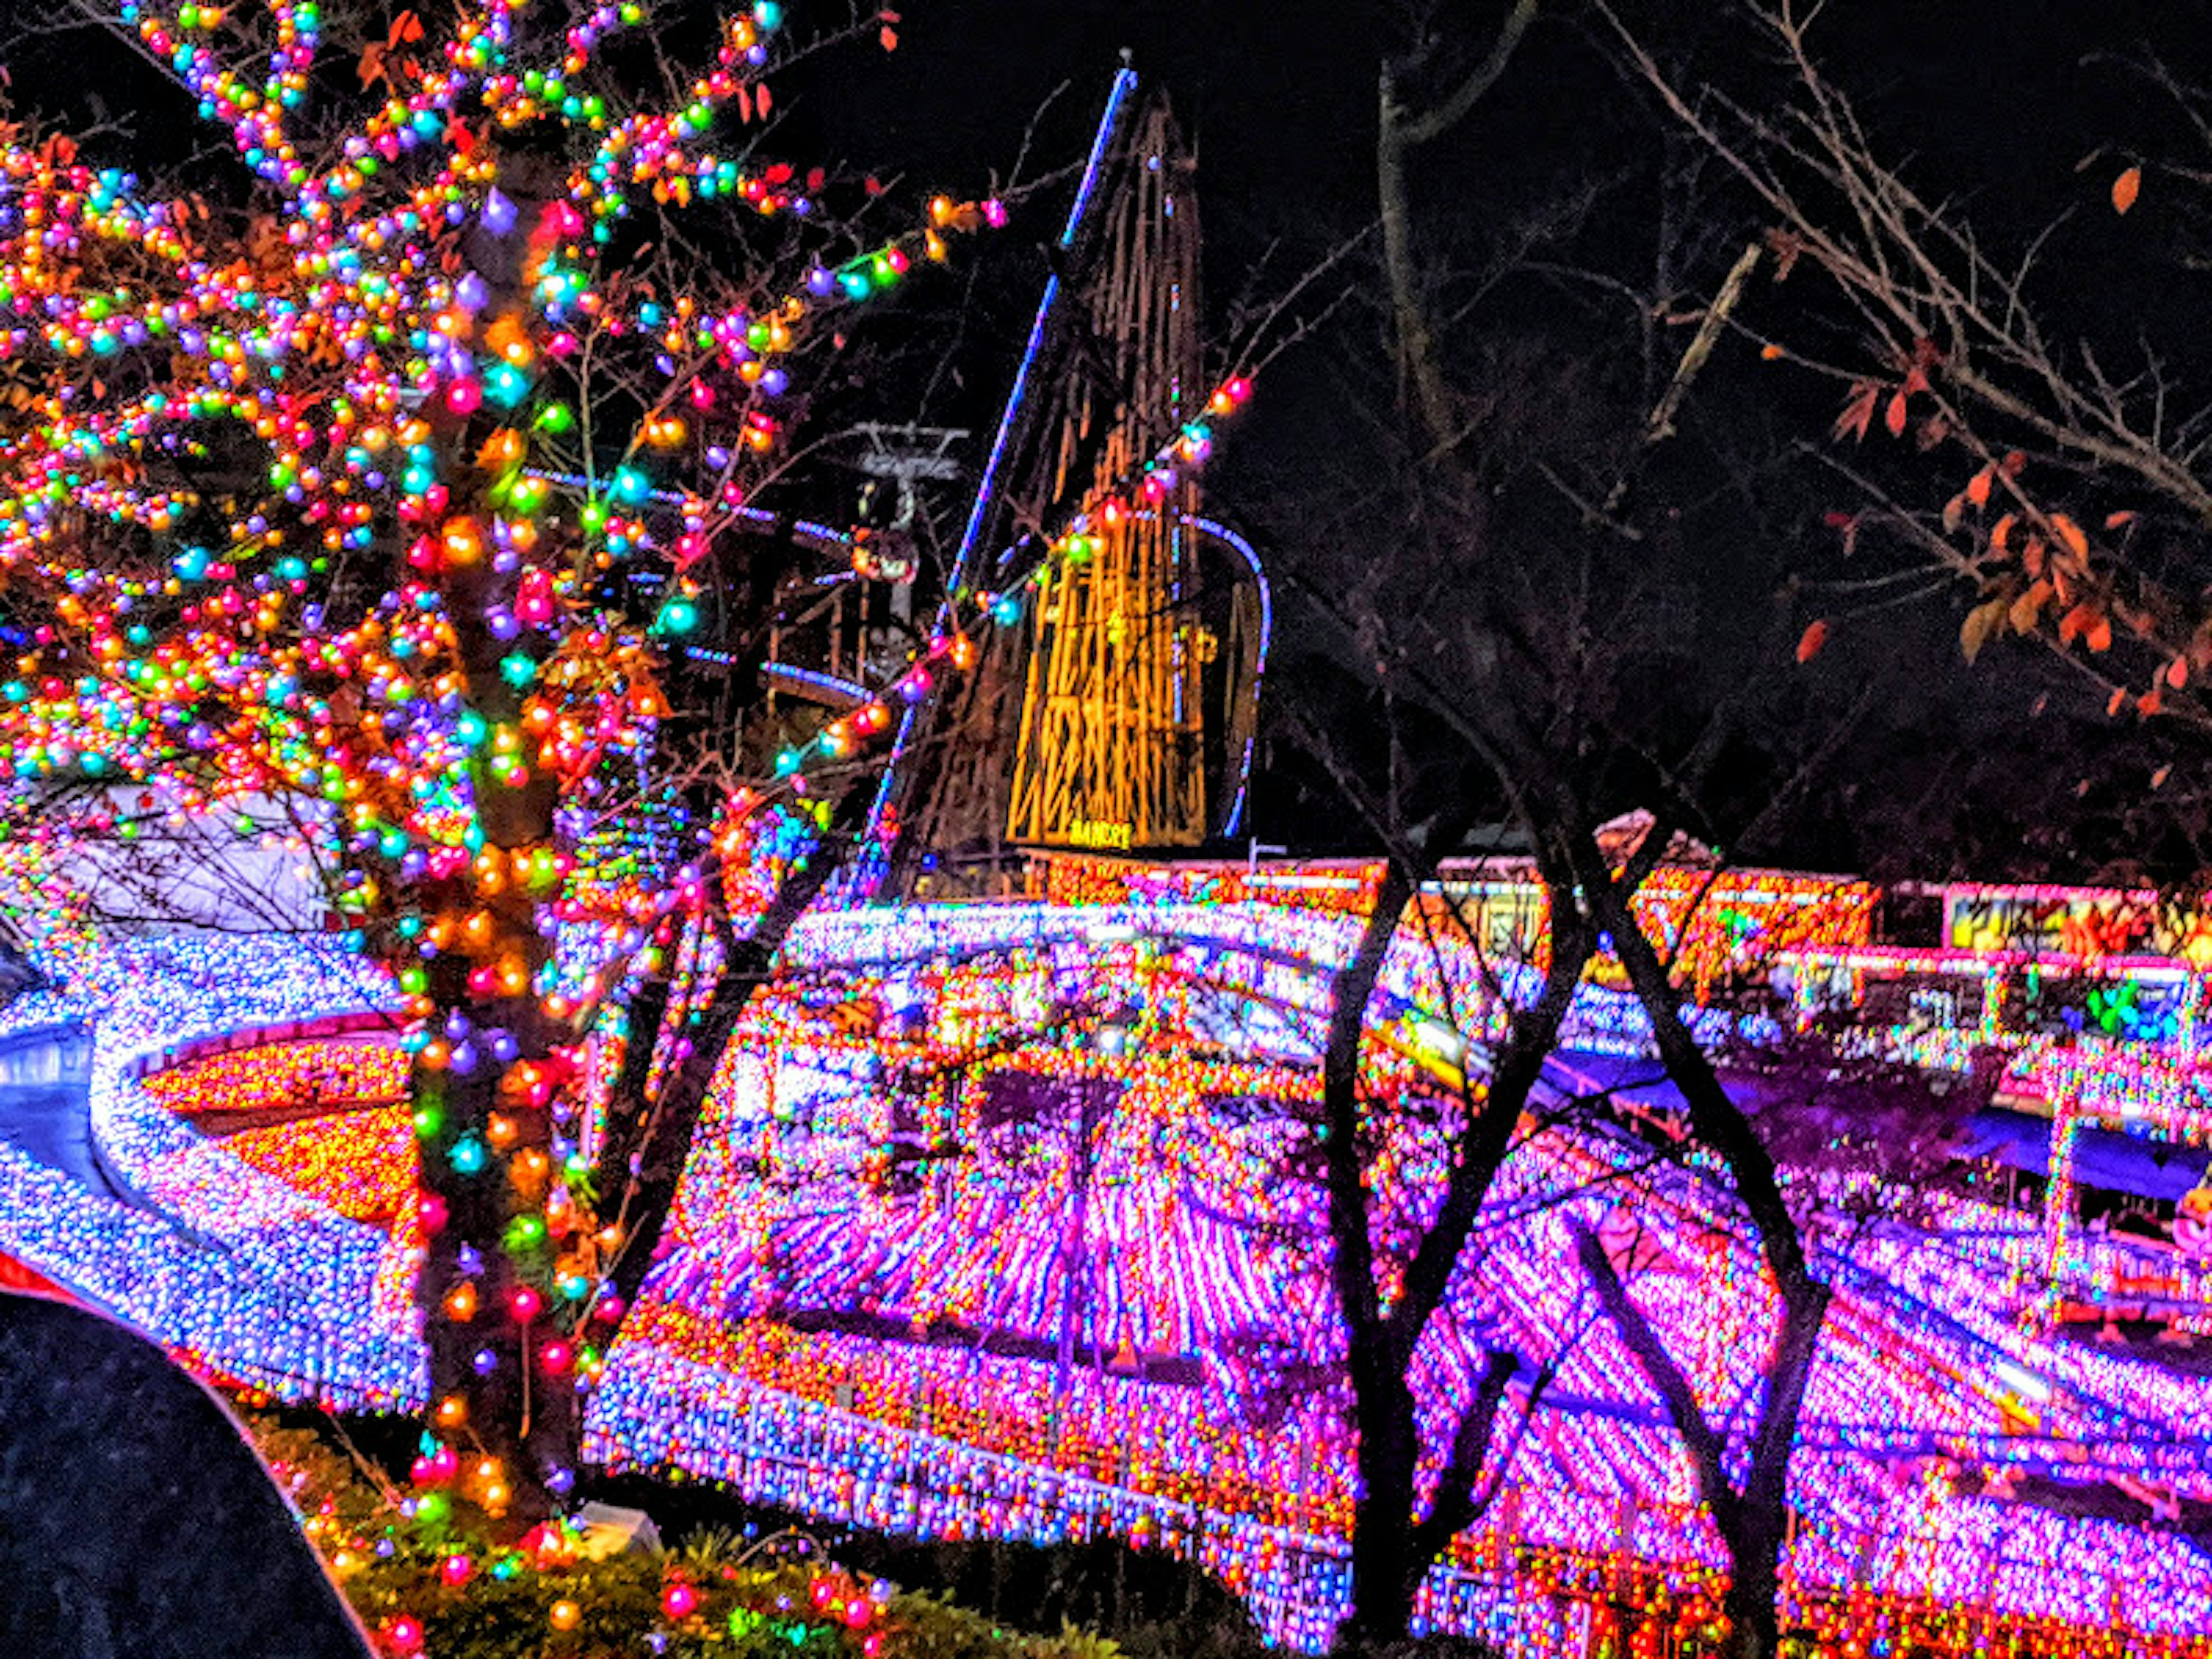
2056, 469
1550, 628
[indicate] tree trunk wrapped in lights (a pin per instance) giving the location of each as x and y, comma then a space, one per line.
388, 499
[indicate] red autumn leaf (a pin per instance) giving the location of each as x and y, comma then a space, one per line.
779, 174
815, 177
2100, 635
745, 104
888, 36
1977, 486
1898, 416
2125, 188
2076, 623
406, 30
1810, 641
763, 101
2150, 702
2177, 673
2012, 464
1858, 411
2002, 533
2114, 521
873, 184
2158, 778
1770, 351
2119, 700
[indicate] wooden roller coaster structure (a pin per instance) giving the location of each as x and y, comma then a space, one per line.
1129, 694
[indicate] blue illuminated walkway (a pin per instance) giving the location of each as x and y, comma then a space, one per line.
45, 1103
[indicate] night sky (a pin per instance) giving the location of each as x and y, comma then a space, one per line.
1997, 107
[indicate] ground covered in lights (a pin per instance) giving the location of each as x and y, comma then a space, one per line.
995, 1227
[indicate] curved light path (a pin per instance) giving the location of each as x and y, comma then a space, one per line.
907, 1357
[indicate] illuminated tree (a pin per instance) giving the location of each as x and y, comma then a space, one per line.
386, 491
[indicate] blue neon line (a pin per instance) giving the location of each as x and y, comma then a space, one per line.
1215, 528
820, 681
840, 539
1125, 83
989, 489
891, 772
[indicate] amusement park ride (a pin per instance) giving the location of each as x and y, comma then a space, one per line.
1114, 709
993, 1223
1128, 695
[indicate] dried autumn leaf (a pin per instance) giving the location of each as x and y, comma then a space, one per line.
1810, 641
1981, 622
2067, 532
1788, 246
2027, 610
1858, 411
2125, 188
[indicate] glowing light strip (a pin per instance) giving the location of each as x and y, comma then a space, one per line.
820, 681
828, 534
1221, 531
1125, 82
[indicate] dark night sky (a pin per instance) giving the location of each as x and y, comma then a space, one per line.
1996, 102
